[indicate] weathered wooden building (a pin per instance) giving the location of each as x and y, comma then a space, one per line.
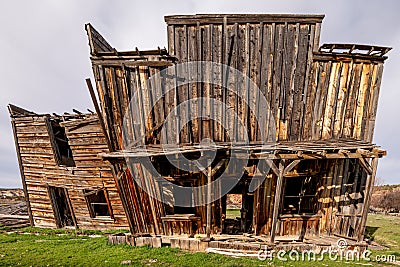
66, 184
310, 172
313, 177
248, 105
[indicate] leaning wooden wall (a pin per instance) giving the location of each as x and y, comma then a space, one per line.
312, 95
40, 170
342, 200
144, 211
342, 97
117, 82
119, 76
36, 157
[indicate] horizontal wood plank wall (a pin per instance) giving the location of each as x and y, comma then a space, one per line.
87, 140
41, 170
275, 54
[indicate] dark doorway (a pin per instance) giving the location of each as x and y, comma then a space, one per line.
61, 206
237, 209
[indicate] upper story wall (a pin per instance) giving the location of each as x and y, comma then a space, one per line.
118, 75
313, 93
274, 51
310, 93
342, 97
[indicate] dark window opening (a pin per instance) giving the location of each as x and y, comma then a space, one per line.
97, 202
300, 195
178, 200
183, 199
62, 150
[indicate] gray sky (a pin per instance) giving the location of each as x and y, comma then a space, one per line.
44, 56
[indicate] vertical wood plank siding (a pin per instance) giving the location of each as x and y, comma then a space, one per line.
274, 53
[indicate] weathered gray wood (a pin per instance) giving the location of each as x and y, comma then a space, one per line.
367, 198
96, 42
312, 95
97, 108
277, 201
21, 167
209, 191
241, 18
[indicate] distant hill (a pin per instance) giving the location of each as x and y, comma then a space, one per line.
11, 194
386, 198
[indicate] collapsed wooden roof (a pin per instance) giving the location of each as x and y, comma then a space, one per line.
18, 112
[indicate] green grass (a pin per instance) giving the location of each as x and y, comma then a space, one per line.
232, 213
69, 250
47, 247
70, 232
385, 230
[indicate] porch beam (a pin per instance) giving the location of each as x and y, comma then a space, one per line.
209, 181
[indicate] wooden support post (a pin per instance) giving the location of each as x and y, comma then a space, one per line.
279, 191
272, 166
278, 197
317, 36
367, 198
209, 181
